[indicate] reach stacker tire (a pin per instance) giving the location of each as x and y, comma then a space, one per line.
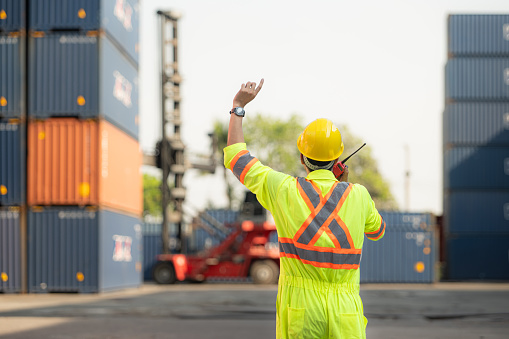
264, 272
164, 273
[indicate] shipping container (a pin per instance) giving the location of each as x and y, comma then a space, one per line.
12, 75
476, 124
119, 18
83, 162
10, 250
73, 249
479, 212
12, 15
152, 246
478, 257
476, 168
12, 162
478, 35
477, 79
205, 234
406, 254
82, 75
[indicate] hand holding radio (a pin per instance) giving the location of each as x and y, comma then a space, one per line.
340, 170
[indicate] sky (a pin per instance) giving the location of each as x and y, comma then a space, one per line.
375, 66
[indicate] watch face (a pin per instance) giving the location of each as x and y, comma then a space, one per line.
239, 111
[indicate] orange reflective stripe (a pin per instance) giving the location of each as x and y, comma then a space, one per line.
236, 157
378, 233
241, 164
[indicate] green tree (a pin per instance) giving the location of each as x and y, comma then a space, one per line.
152, 196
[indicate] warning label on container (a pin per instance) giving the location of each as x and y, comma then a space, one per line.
122, 248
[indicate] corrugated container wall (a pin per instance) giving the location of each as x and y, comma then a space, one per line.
10, 250
478, 35
12, 75
152, 246
12, 163
12, 15
477, 79
120, 19
476, 124
406, 254
478, 257
85, 76
72, 249
83, 162
483, 212
476, 168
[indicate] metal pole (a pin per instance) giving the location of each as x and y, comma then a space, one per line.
164, 146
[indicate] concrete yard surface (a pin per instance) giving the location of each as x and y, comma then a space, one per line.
444, 310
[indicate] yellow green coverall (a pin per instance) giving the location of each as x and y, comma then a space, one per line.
321, 225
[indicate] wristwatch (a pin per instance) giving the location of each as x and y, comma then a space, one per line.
239, 111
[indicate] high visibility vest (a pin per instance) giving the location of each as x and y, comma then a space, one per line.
323, 218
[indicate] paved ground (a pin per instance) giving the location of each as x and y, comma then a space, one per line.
248, 311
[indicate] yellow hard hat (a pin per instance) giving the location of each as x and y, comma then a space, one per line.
321, 141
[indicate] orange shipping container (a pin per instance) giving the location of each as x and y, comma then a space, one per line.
83, 162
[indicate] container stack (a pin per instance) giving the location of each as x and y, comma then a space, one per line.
84, 186
12, 142
476, 148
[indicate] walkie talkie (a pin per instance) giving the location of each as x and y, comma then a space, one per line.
340, 167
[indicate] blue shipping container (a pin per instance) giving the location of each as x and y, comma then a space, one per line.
119, 18
74, 249
152, 246
12, 163
476, 124
477, 79
12, 75
82, 76
12, 15
478, 257
480, 212
406, 253
478, 35
476, 168
10, 250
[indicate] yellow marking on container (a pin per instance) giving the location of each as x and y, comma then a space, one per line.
138, 266
427, 242
84, 189
3, 102
38, 34
3, 190
82, 14
426, 250
81, 100
419, 267
4, 276
80, 277
41, 135
3, 15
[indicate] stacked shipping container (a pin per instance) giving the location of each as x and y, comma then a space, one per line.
12, 142
476, 147
83, 159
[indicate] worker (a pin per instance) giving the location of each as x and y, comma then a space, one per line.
321, 223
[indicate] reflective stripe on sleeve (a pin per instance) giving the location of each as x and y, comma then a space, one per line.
378, 233
241, 164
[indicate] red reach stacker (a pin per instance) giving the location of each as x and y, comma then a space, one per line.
245, 252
